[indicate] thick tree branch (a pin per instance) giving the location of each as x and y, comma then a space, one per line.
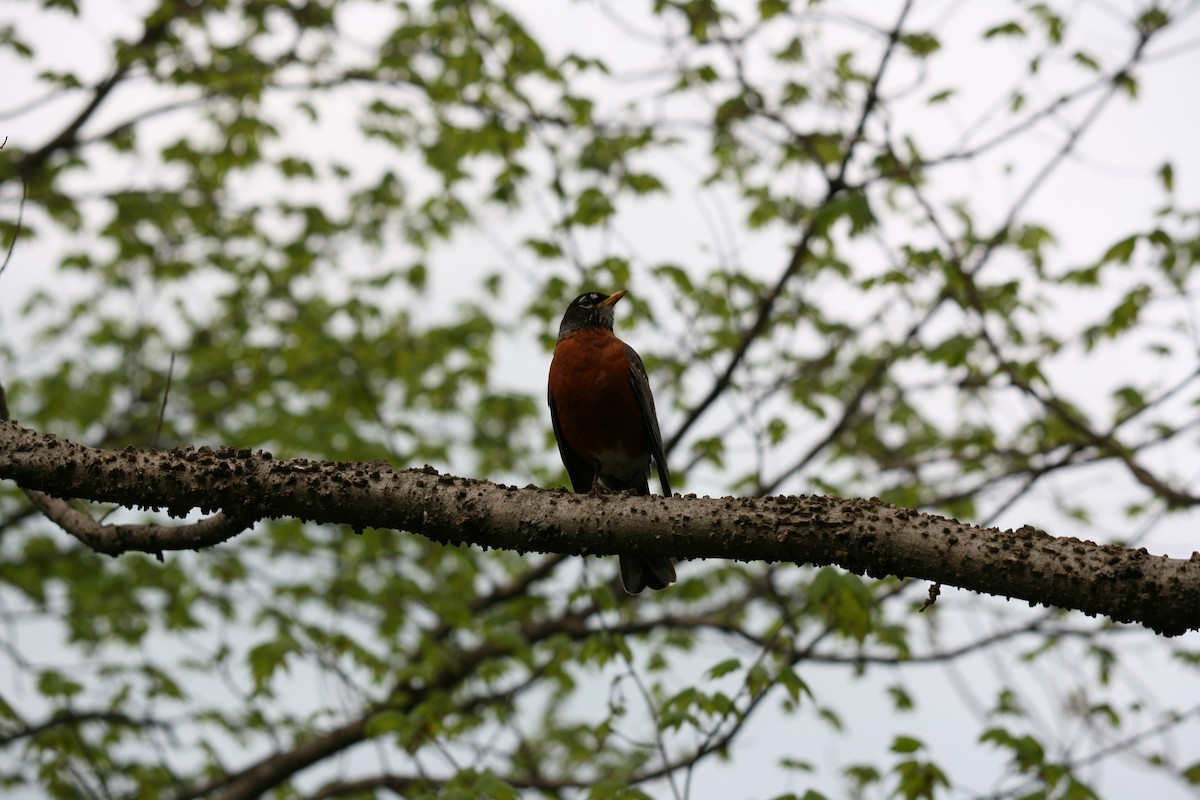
864, 536
100, 537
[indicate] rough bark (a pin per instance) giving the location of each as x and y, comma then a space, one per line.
864, 536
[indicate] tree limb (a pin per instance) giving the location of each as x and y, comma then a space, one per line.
863, 536
103, 538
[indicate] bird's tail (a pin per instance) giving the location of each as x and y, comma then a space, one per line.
636, 574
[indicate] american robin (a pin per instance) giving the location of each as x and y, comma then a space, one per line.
604, 419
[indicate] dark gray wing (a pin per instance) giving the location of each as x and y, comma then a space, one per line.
581, 473
645, 401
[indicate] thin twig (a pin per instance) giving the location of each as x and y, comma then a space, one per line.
163, 408
20, 222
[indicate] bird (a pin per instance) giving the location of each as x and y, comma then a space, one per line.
604, 418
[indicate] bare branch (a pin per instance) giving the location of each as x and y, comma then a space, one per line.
11, 245
863, 536
116, 539
61, 719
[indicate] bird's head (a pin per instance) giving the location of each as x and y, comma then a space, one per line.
589, 310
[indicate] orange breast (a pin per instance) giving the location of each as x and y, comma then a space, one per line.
597, 410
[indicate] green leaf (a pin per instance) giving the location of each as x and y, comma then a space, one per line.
901, 699
793, 684
767, 9
267, 658
680, 279
10, 39
52, 683
921, 44
592, 207
643, 183
1010, 28
862, 775
854, 206
543, 248
724, 668
1152, 20
1127, 83
1085, 61
792, 52
1122, 251
1166, 174
1052, 22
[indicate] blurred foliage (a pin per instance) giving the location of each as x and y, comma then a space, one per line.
289, 201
